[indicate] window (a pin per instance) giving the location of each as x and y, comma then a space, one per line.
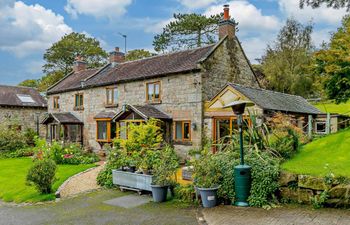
105, 130
112, 96
79, 102
25, 98
182, 131
153, 91
56, 104
321, 127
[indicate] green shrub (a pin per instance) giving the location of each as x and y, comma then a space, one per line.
42, 175
206, 171
319, 201
30, 136
11, 139
22, 152
185, 193
165, 166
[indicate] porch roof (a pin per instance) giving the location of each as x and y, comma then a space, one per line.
105, 115
63, 118
145, 111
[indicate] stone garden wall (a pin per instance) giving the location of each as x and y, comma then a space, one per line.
302, 188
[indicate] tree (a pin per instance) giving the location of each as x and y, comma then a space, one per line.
336, 4
29, 83
187, 31
332, 63
138, 54
285, 64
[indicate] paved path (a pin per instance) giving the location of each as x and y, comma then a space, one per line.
289, 215
90, 208
84, 182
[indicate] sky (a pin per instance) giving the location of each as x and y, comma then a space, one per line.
29, 27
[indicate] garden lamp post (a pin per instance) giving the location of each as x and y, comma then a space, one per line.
242, 172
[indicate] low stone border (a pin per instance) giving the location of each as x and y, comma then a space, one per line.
58, 192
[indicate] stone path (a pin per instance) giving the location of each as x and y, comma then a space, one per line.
83, 182
129, 201
288, 215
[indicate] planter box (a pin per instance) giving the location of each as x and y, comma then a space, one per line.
132, 180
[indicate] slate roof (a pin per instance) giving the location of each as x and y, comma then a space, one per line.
11, 96
105, 115
145, 111
161, 65
272, 100
63, 118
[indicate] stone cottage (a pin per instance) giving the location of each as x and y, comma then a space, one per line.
23, 107
93, 105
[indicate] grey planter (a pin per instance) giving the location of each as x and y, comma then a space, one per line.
132, 180
209, 196
159, 193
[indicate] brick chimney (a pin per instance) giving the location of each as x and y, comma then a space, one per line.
116, 56
227, 26
79, 64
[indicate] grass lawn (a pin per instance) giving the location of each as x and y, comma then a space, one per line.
13, 173
343, 108
312, 159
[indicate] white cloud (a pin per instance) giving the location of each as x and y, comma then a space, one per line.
27, 29
319, 15
97, 8
195, 4
248, 16
155, 26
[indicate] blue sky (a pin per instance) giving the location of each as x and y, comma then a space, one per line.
28, 27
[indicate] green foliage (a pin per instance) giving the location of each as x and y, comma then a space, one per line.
318, 201
165, 166
30, 135
69, 154
138, 54
185, 193
42, 175
336, 4
206, 172
332, 107
29, 83
332, 63
187, 31
285, 64
11, 139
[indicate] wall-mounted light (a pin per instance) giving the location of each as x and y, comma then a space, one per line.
194, 126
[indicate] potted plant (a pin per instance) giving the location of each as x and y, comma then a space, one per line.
163, 172
207, 176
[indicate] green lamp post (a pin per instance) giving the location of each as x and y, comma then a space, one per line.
242, 172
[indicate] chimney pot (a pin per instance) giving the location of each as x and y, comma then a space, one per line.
79, 64
227, 27
116, 56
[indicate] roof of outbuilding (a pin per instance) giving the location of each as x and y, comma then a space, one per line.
105, 115
63, 118
17, 96
161, 65
272, 100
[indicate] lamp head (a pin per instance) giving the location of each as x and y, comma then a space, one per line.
239, 106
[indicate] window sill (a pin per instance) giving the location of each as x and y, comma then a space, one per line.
78, 108
154, 102
187, 143
105, 141
111, 106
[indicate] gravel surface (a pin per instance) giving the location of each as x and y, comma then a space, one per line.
84, 182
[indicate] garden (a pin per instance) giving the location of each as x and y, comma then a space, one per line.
31, 169
145, 153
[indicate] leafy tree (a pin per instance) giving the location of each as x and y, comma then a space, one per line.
50, 79
61, 55
332, 63
138, 54
336, 4
29, 83
285, 64
187, 31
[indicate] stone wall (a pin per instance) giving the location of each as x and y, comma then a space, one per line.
181, 97
302, 188
24, 116
227, 64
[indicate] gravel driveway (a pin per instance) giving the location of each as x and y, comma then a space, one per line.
90, 209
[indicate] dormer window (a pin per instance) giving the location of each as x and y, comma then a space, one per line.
153, 93
112, 96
